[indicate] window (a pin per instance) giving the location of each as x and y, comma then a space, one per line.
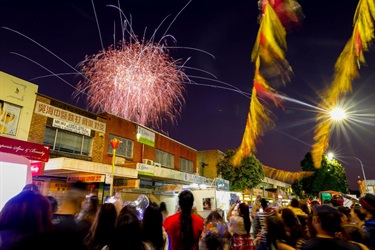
125, 149
165, 159
65, 141
186, 165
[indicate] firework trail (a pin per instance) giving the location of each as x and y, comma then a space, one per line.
138, 81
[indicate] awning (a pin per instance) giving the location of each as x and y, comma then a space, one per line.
66, 166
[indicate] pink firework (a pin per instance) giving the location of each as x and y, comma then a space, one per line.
138, 81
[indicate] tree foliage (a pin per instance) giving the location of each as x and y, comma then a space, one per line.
331, 176
249, 174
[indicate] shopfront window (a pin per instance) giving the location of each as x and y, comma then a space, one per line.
186, 165
125, 149
65, 141
165, 159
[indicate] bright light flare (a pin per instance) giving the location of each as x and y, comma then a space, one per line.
330, 156
338, 114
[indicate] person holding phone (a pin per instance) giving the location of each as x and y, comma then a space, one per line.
240, 224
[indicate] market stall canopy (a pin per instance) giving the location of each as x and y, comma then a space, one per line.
285, 176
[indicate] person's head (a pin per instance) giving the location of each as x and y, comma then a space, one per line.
315, 203
351, 232
356, 214
294, 202
214, 216
275, 229
89, 208
163, 206
103, 227
186, 200
212, 241
76, 195
152, 225
127, 233
31, 187
368, 205
289, 217
27, 212
303, 205
337, 200
263, 203
344, 213
53, 202
326, 220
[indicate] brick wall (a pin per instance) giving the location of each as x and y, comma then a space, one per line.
38, 124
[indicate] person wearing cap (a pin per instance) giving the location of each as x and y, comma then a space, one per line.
327, 223
368, 208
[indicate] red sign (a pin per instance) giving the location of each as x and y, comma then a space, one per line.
37, 168
31, 151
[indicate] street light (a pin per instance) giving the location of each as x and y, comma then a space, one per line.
338, 114
363, 171
331, 155
115, 143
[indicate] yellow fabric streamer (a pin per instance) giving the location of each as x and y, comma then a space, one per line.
346, 70
285, 176
268, 50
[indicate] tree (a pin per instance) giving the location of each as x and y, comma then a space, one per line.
249, 174
331, 176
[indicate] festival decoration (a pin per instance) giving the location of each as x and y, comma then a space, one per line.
140, 205
346, 70
271, 67
285, 176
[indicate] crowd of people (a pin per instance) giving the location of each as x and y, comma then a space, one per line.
30, 220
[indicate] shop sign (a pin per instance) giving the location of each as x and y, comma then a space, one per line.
86, 178
37, 168
70, 117
146, 136
71, 127
221, 184
59, 186
31, 151
145, 169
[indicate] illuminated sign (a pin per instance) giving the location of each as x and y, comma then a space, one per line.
146, 136
70, 117
31, 151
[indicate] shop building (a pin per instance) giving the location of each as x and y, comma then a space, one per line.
17, 99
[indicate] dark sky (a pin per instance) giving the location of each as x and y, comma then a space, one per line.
212, 118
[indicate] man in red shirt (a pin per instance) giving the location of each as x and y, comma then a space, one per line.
184, 228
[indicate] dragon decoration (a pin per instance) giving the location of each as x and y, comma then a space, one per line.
276, 18
346, 70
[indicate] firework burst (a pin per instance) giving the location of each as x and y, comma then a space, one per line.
138, 81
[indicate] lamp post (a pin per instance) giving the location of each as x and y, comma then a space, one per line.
115, 143
363, 172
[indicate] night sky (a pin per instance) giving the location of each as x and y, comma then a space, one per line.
212, 118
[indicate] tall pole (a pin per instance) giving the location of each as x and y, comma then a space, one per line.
363, 172
115, 143
112, 171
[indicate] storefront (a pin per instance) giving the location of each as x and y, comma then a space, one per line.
61, 172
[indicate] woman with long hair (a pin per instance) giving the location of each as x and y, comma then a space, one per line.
215, 234
127, 233
152, 228
184, 228
294, 230
276, 236
240, 223
102, 229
